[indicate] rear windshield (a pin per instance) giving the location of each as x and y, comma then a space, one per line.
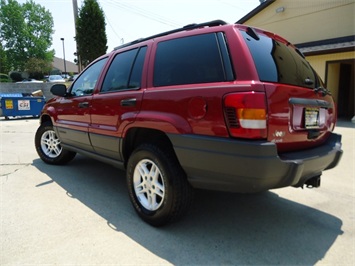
278, 62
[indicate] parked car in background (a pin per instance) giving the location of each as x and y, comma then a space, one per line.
210, 106
72, 78
30, 81
56, 78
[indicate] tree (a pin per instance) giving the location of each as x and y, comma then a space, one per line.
4, 63
26, 32
90, 32
37, 68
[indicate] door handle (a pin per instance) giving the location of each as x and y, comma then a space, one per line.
83, 105
129, 102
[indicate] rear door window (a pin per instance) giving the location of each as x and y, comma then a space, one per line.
278, 62
195, 59
125, 71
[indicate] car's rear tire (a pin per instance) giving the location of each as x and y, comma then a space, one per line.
157, 185
48, 146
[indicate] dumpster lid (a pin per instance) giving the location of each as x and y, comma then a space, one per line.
11, 95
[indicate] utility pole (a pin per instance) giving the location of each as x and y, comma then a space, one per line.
65, 65
75, 9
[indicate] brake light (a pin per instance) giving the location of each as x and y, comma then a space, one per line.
246, 115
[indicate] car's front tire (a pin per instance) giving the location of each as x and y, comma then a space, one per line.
157, 185
48, 146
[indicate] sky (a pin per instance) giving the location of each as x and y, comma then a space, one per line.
128, 20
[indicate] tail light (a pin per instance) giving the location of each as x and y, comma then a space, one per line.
246, 115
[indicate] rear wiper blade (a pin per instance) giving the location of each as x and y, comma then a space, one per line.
322, 90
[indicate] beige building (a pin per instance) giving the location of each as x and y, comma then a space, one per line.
324, 30
70, 67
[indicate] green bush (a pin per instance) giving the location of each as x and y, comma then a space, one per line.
4, 78
16, 76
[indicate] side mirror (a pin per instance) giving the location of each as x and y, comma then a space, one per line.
59, 90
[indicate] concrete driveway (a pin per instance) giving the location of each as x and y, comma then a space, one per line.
80, 214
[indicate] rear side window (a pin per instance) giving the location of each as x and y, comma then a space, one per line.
278, 62
195, 59
125, 71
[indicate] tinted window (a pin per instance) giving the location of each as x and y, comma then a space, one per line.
125, 71
278, 62
136, 76
85, 83
195, 59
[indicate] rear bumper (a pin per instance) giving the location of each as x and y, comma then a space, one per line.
250, 166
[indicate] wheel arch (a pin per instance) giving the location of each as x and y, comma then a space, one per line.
134, 137
46, 118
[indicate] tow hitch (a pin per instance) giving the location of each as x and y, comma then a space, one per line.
313, 182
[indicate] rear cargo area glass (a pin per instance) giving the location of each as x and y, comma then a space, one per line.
279, 62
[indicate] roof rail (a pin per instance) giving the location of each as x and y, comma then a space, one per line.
187, 27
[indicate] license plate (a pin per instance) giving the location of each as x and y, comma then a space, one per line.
311, 118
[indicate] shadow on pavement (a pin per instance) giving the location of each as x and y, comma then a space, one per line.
221, 228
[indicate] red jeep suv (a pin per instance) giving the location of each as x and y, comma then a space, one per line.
212, 105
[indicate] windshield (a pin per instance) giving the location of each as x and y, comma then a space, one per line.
278, 62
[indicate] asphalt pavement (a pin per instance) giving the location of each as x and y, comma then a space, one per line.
80, 214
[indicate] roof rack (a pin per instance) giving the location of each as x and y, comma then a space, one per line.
187, 27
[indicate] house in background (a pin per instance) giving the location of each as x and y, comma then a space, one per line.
324, 31
58, 65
